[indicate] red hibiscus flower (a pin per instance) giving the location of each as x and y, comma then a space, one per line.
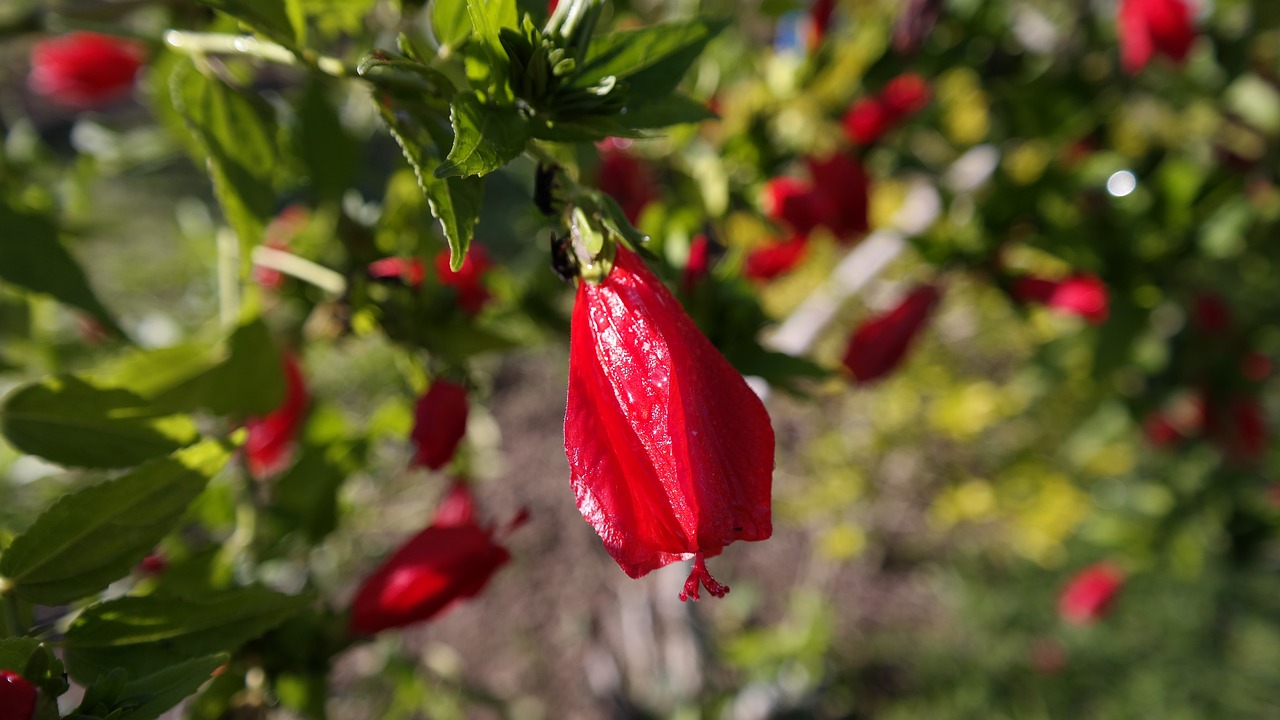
699, 263
17, 696
841, 177
452, 559
1082, 295
796, 204
905, 95
869, 118
1211, 314
1090, 594
881, 342
1147, 27
84, 70
269, 445
406, 270
439, 422
624, 177
866, 121
468, 282
671, 453
774, 258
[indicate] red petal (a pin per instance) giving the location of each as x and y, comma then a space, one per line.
270, 440
439, 422
880, 343
671, 453
1090, 593
84, 70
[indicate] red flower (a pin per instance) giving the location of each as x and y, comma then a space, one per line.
796, 204
84, 70
1090, 593
17, 697
439, 422
699, 263
843, 180
905, 95
671, 453
1147, 27
866, 121
1082, 295
153, 564
881, 342
468, 282
625, 178
1243, 437
774, 258
407, 270
450, 560
1212, 314
269, 446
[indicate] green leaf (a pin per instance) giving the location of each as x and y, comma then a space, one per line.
239, 140
71, 422
485, 137
674, 109
90, 538
32, 257
306, 497
454, 201
34, 661
16, 651
145, 635
664, 51
488, 17
148, 697
271, 18
242, 377
297, 16
331, 156
450, 22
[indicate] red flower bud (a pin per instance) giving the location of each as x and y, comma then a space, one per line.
866, 121
905, 95
153, 564
1147, 27
671, 453
1082, 295
774, 258
269, 445
439, 422
843, 180
625, 178
1089, 595
406, 270
1243, 433
468, 282
796, 204
881, 342
450, 560
699, 263
17, 697
1211, 314
84, 70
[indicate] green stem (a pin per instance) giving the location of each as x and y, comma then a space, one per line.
13, 626
228, 278
200, 43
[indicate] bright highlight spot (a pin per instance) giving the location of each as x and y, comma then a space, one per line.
1121, 183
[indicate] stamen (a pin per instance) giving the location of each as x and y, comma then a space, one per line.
700, 577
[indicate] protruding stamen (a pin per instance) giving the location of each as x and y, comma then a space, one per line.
700, 577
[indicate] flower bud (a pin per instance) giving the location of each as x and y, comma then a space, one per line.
1147, 27
1090, 594
1082, 295
269, 445
881, 342
84, 70
439, 422
17, 697
774, 258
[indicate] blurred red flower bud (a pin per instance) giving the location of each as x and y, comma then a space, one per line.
1090, 594
153, 564
774, 258
406, 270
842, 179
1179, 420
880, 343
1082, 295
699, 263
468, 282
796, 204
625, 178
452, 559
84, 70
17, 697
439, 422
905, 95
1243, 437
1255, 366
866, 121
671, 453
1147, 27
269, 445
1211, 314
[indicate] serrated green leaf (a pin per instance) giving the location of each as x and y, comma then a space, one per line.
488, 17
239, 141
71, 422
665, 50
146, 698
32, 257
485, 137
450, 22
271, 18
94, 536
674, 109
145, 635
